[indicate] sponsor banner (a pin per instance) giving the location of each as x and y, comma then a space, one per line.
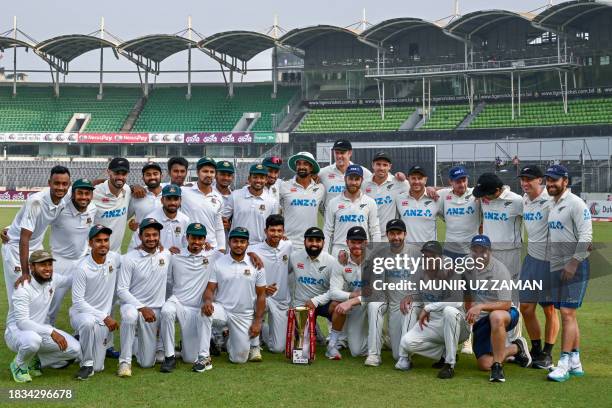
166, 138
265, 137
14, 195
600, 210
39, 137
113, 138
219, 137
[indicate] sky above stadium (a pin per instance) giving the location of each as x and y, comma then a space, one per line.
43, 19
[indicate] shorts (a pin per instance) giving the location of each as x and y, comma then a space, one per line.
481, 339
323, 310
571, 293
536, 271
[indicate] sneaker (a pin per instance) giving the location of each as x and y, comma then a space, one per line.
575, 366
446, 372
403, 364
467, 347
255, 354
203, 364
168, 365
34, 367
438, 364
112, 353
84, 373
561, 372
542, 361
332, 353
214, 350
160, 357
372, 361
497, 373
20, 375
342, 344
125, 370
522, 357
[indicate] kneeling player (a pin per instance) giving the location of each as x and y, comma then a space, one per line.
492, 313
235, 297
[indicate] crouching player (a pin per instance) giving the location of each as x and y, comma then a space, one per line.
188, 276
491, 312
36, 343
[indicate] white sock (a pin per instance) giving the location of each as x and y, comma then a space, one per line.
333, 337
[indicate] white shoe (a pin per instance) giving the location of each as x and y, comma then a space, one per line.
255, 354
561, 372
403, 364
125, 370
575, 366
159, 356
467, 347
332, 353
372, 361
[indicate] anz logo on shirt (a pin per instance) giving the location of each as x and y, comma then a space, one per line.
530, 216
495, 216
417, 212
555, 225
114, 213
298, 202
460, 211
383, 200
307, 280
336, 189
352, 218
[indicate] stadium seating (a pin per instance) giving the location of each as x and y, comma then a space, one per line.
210, 109
446, 117
35, 109
354, 119
581, 112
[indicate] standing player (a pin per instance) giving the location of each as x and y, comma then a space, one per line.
250, 206
273, 164
93, 289
570, 236
27, 230
301, 197
223, 182
177, 171
69, 236
173, 220
274, 252
202, 204
536, 267
349, 209
140, 207
188, 275
141, 287
235, 297
37, 343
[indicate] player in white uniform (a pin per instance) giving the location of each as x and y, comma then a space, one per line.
141, 287
301, 198
188, 275
345, 291
139, 208
236, 298
26, 232
442, 325
69, 237
223, 182
112, 200
536, 267
273, 164
27, 333
177, 171
174, 221
250, 206
202, 204
274, 252
349, 209
93, 290
417, 209
570, 237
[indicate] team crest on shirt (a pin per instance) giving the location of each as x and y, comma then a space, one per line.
213, 200
50, 291
262, 207
428, 202
321, 268
389, 186
162, 262
507, 203
274, 190
89, 221
362, 205
18, 269
314, 190
348, 270
177, 230
205, 261
285, 258
300, 265
110, 268
247, 272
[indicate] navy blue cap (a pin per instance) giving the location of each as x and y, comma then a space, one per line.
171, 190
481, 240
457, 172
556, 172
354, 169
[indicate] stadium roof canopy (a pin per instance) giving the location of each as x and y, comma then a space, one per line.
568, 13
479, 21
154, 49
8, 42
388, 29
242, 45
59, 51
302, 37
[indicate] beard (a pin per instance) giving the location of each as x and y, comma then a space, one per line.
314, 253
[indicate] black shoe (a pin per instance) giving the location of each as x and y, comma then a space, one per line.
438, 364
522, 357
168, 365
84, 373
446, 372
497, 373
542, 361
203, 364
112, 353
214, 350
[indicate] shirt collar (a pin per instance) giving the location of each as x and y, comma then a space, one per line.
247, 193
295, 183
388, 180
345, 198
564, 195
144, 253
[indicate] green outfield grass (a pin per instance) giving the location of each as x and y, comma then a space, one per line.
275, 382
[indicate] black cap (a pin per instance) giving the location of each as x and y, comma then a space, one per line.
151, 165
314, 232
150, 222
417, 170
342, 145
531, 172
487, 184
432, 246
381, 156
119, 164
357, 233
396, 225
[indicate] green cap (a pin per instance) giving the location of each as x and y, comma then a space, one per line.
206, 161
306, 156
40, 256
171, 190
83, 183
258, 169
150, 222
225, 166
196, 229
239, 232
98, 229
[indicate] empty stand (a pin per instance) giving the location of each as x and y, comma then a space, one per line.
446, 117
354, 119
